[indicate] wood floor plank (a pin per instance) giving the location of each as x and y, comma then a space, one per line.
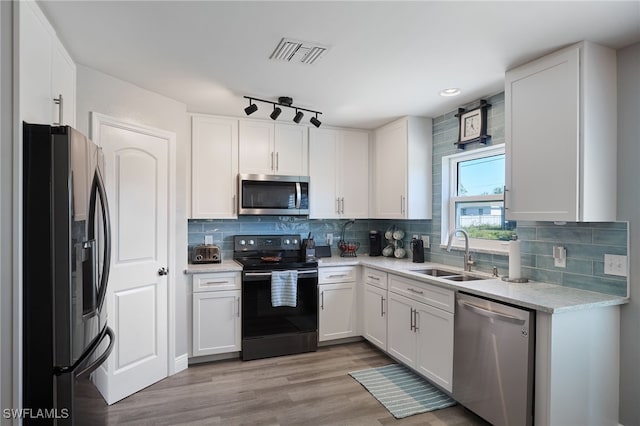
304, 389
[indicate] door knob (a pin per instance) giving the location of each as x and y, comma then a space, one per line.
163, 271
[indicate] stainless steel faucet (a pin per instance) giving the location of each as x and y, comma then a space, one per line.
467, 258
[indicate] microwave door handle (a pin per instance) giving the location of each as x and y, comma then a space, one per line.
298, 195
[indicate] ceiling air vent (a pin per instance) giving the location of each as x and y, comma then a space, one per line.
298, 51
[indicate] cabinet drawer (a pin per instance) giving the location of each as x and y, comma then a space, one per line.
339, 274
435, 296
375, 277
216, 281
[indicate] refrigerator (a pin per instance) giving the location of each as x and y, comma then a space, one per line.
66, 258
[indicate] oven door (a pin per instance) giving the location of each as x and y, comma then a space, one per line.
272, 331
273, 195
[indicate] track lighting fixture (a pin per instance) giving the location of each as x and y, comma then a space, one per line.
276, 113
315, 121
251, 108
283, 101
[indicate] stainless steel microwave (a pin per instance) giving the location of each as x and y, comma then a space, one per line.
273, 195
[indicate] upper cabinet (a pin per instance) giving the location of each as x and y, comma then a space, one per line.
402, 169
273, 148
214, 167
47, 74
339, 174
560, 130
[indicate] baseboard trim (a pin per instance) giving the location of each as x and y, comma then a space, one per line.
181, 363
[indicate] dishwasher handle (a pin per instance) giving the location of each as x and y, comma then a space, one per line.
491, 314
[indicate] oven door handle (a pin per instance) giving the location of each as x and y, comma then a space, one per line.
268, 274
298, 195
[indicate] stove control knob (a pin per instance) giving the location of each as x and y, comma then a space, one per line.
251, 242
242, 242
287, 242
295, 242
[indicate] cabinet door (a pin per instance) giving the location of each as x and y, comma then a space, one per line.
35, 44
214, 167
337, 316
400, 335
291, 150
63, 83
542, 141
323, 172
375, 316
435, 345
216, 322
256, 145
353, 159
390, 175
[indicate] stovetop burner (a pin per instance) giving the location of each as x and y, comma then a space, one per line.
269, 252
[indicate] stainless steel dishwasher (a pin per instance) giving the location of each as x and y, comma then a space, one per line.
493, 360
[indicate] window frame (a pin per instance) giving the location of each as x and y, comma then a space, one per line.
449, 180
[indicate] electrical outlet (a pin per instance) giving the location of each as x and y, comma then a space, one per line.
615, 265
208, 239
425, 240
415, 236
559, 257
329, 239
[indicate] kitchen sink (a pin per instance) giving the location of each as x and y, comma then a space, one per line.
436, 272
462, 278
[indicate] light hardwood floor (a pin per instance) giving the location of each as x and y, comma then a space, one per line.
305, 389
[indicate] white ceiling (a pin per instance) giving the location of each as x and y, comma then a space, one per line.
386, 59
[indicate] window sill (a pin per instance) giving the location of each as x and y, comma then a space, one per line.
486, 250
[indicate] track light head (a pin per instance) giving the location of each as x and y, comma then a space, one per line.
251, 108
315, 121
298, 116
276, 113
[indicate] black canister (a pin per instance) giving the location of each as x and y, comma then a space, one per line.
418, 250
375, 243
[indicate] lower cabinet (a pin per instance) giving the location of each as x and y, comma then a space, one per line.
375, 307
337, 303
421, 335
216, 313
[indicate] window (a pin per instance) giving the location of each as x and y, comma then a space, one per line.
473, 199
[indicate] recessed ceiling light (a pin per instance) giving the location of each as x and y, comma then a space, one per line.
454, 91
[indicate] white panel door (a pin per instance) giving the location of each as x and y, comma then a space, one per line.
255, 148
390, 179
375, 316
337, 317
291, 150
137, 183
401, 338
435, 345
354, 174
216, 322
323, 199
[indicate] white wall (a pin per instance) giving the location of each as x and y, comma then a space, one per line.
6, 208
629, 209
99, 92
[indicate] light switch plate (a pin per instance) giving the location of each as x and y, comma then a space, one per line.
208, 239
559, 257
615, 265
425, 240
329, 239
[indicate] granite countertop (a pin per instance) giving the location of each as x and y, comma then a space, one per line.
544, 297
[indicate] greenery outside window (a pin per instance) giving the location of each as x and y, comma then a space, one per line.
473, 199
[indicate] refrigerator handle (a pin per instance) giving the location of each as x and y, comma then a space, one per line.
102, 358
106, 261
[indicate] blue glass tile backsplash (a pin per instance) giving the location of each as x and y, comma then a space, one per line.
586, 243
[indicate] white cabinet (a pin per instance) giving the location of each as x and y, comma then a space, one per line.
276, 149
402, 169
375, 307
420, 328
216, 313
560, 131
337, 303
45, 68
214, 167
339, 174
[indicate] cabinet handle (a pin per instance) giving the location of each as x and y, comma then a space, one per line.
415, 291
271, 161
58, 101
342, 205
238, 301
277, 161
381, 306
415, 320
337, 276
338, 205
401, 205
217, 282
373, 278
233, 204
411, 320
322, 300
